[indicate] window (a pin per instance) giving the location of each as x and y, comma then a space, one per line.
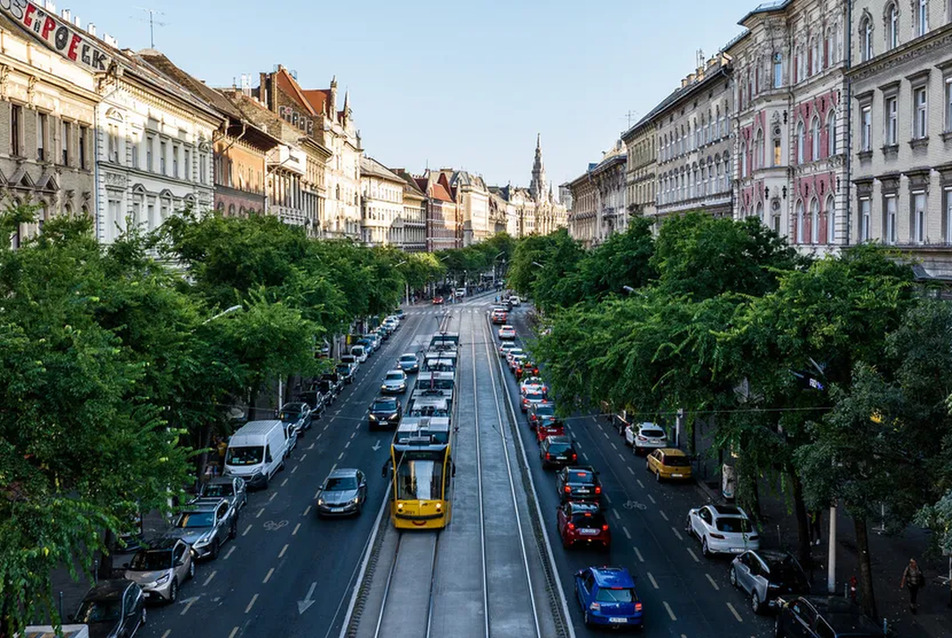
866, 129
162, 166
815, 57
889, 223
920, 123
65, 130
801, 142
777, 70
202, 163
815, 142
743, 159
16, 121
759, 150
149, 151
864, 212
948, 104
112, 149
814, 222
866, 39
777, 153
760, 212
831, 133
892, 26
83, 132
188, 164
830, 220
922, 17
175, 172
799, 229
948, 215
890, 131
919, 217
42, 122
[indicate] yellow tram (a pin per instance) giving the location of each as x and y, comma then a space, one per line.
421, 465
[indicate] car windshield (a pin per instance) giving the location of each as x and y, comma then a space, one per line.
581, 477
387, 405
99, 611
343, 368
545, 410
408, 358
195, 519
516, 352
340, 483
616, 595
219, 489
147, 561
732, 524
419, 479
534, 395
677, 461
245, 455
290, 415
395, 376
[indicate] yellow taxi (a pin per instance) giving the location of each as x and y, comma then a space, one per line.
669, 463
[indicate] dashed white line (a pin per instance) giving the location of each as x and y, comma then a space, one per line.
319, 435
353, 434
340, 456
166, 634
584, 456
293, 470
693, 555
734, 611
267, 576
617, 515
209, 579
607, 499
627, 533
271, 498
260, 512
233, 632
284, 482
671, 613
663, 515
304, 456
578, 445
651, 498
654, 583
713, 584
283, 549
346, 445
296, 528
229, 552
317, 493
251, 604
605, 434
638, 554
306, 510
310, 447
640, 484
615, 447
677, 534
632, 472
247, 529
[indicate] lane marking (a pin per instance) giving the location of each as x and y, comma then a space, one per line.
285, 481
247, 529
734, 611
296, 528
229, 552
663, 515
306, 510
293, 470
640, 484
304, 456
654, 583
340, 456
578, 445
693, 555
260, 512
607, 499
254, 598
713, 584
166, 634
316, 494
268, 576
677, 533
671, 613
622, 458
632, 472
615, 447
617, 516
233, 632
310, 447
319, 435
627, 533
638, 554
651, 498
209, 579
271, 498
584, 456
283, 549
346, 445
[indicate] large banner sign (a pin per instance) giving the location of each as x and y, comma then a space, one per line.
60, 35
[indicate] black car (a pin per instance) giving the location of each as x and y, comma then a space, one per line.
347, 371
824, 617
579, 483
385, 412
557, 451
334, 383
113, 608
297, 414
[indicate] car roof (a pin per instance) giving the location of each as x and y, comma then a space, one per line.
108, 589
204, 504
671, 451
396, 371
343, 472
408, 355
294, 405
159, 544
220, 480
580, 508
612, 577
842, 614
559, 438
728, 510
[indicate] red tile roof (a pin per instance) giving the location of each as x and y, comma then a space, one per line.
318, 99
287, 84
440, 193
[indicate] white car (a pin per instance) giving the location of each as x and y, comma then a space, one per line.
395, 382
535, 384
722, 529
643, 437
360, 353
505, 348
514, 352
514, 300
507, 333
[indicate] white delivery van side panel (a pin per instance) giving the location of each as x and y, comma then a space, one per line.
256, 452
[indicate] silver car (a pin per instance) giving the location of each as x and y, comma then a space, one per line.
644, 437
161, 567
765, 575
205, 525
394, 383
344, 492
231, 488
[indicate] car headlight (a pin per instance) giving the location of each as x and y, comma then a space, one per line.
383, 387
392, 417
355, 500
203, 540
373, 417
320, 501
162, 579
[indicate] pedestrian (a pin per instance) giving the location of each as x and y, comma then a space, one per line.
816, 521
912, 580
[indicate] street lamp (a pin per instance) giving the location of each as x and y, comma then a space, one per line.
628, 289
224, 312
537, 264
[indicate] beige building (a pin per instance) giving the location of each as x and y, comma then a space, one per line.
381, 204
413, 220
901, 76
47, 113
641, 167
599, 199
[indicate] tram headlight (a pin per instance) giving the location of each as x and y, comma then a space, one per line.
439, 507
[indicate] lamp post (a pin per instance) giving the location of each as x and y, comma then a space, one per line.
224, 312
628, 289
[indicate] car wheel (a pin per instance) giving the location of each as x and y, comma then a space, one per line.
265, 482
191, 569
732, 575
755, 602
704, 548
216, 544
647, 466
173, 591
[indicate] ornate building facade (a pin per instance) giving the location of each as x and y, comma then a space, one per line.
599, 199
533, 210
382, 204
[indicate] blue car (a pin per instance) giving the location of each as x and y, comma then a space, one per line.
608, 597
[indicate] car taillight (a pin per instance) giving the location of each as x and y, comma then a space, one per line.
717, 536
604, 528
574, 456
641, 438
637, 606
598, 489
571, 526
548, 457
568, 490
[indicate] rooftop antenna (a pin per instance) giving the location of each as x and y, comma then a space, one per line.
152, 23
630, 115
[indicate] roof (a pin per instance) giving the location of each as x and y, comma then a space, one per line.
440, 193
108, 589
284, 81
257, 427
341, 472
728, 510
370, 166
612, 577
765, 7
318, 98
160, 544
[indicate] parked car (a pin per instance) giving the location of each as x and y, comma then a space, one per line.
257, 451
824, 617
557, 451
297, 415
409, 363
360, 353
161, 567
526, 367
112, 608
722, 529
507, 333
438, 300
385, 412
335, 383
535, 383
547, 429
206, 525
646, 436
512, 354
582, 523
499, 316
579, 483
375, 342
530, 399
316, 395
515, 300
608, 597
394, 382
347, 371
231, 488
505, 348
766, 574
669, 463
343, 492
541, 412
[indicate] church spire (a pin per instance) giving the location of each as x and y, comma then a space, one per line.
538, 185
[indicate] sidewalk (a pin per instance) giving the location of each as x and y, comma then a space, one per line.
889, 555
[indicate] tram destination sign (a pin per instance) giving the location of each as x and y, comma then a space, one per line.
58, 34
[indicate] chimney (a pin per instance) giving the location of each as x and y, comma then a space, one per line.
77, 23
263, 92
690, 78
91, 28
67, 17
684, 82
50, 6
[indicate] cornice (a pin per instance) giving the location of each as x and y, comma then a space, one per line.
937, 40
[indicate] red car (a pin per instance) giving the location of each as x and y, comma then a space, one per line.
500, 316
583, 523
438, 301
553, 428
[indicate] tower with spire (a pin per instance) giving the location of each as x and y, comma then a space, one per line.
537, 187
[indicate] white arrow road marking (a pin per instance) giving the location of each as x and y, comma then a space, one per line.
303, 605
376, 446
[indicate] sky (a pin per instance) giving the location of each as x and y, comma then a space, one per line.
466, 85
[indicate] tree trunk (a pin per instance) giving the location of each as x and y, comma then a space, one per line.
866, 595
803, 524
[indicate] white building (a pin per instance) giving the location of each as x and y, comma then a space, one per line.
381, 204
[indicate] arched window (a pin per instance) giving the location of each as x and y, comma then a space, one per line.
830, 220
831, 133
892, 26
798, 238
815, 141
815, 56
777, 70
801, 141
814, 222
866, 38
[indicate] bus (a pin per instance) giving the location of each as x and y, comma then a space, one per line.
421, 468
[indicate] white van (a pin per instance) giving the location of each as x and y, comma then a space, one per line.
360, 352
256, 452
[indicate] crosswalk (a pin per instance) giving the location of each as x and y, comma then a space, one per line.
461, 309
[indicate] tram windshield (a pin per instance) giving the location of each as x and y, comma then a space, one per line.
420, 477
